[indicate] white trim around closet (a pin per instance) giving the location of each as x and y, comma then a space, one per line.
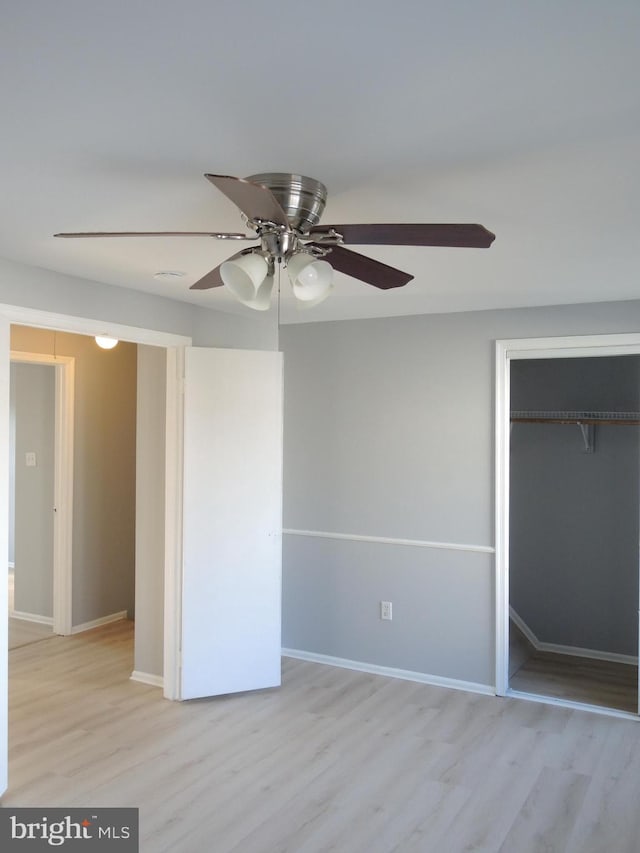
580, 346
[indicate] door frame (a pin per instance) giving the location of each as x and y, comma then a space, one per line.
174, 459
174, 344
173, 511
580, 346
64, 367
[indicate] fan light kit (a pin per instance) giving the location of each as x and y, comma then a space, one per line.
284, 211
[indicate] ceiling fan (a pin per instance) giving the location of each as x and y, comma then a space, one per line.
284, 211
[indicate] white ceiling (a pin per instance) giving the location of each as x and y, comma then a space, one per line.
523, 116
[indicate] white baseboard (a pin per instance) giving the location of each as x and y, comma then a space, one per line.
392, 672
147, 678
96, 623
573, 651
522, 626
31, 617
595, 654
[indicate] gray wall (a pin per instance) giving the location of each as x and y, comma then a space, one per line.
32, 287
104, 469
150, 456
442, 606
576, 384
389, 432
437, 363
574, 516
215, 329
34, 400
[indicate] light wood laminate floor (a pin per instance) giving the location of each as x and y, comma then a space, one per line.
595, 682
333, 761
23, 632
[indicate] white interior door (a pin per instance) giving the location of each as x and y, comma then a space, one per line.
232, 522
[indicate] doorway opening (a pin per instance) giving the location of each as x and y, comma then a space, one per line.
567, 514
574, 514
171, 345
31, 502
75, 541
40, 494
255, 453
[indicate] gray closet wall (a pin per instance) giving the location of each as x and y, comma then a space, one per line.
574, 515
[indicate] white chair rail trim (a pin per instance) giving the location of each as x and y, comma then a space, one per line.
387, 540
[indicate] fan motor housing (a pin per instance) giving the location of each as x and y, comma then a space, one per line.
302, 199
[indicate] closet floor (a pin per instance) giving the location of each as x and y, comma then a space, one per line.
594, 682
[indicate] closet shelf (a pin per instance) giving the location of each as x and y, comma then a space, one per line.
586, 421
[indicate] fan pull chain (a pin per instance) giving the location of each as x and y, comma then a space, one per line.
278, 317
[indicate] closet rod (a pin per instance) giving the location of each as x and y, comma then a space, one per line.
585, 417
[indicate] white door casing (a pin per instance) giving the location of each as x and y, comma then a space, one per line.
79, 325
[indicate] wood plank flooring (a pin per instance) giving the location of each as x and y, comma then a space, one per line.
333, 761
595, 682
23, 632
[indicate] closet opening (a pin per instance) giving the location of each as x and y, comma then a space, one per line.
573, 532
574, 516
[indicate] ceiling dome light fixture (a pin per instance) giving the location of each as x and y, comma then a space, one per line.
106, 341
168, 275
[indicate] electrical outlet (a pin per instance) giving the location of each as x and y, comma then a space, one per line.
30, 459
386, 610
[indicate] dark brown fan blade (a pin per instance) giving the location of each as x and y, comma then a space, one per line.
218, 235
395, 234
213, 279
254, 200
366, 269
